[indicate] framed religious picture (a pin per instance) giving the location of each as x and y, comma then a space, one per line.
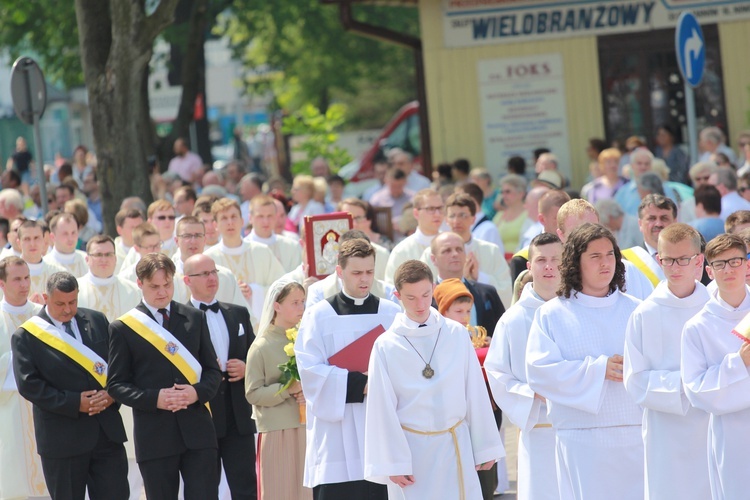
322, 233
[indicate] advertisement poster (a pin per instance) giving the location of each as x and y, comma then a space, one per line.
523, 108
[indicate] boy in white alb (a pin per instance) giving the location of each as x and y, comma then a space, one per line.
714, 367
506, 371
574, 360
674, 433
429, 424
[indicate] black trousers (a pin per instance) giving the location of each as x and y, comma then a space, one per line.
103, 470
351, 490
237, 454
161, 476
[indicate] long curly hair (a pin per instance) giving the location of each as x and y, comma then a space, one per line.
576, 245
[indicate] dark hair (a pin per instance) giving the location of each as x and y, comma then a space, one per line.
472, 190
709, 197
4, 227
597, 144
354, 248
336, 178
540, 151
65, 171
517, 165
353, 234
98, 240
128, 213
659, 201
412, 271
462, 165
461, 200
153, 262
723, 243
29, 224
445, 170
62, 281
576, 245
541, 240
397, 174
67, 187
8, 262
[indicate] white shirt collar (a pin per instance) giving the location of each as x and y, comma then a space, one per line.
422, 238
197, 303
100, 281
266, 241
65, 258
155, 311
13, 309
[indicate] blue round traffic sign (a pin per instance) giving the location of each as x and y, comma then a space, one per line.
691, 49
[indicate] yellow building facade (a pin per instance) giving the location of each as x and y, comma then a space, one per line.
611, 81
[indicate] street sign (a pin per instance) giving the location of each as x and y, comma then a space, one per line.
29, 93
690, 46
28, 90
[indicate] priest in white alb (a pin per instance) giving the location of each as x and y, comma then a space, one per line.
126, 220
263, 218
714, 366
20, 467
574, 360
191, 240
429, 424
505, 366
64, 234
33, 249
336, 396
253, 264
674, 432
429, 210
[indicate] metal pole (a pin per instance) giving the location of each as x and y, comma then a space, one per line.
39, 160
690, 115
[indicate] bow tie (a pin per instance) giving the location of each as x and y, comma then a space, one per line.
214, 307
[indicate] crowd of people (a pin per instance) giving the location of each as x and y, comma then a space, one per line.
199, 354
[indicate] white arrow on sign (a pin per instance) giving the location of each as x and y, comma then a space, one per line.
693, 47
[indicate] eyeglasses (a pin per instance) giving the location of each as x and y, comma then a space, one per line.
189, 236
205, 274
460, 216
681, 261
432, 210
107, 255
359, 218
165, 217
718, 265
152, 248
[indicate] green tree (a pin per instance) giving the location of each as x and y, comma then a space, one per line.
320, 135
299, 51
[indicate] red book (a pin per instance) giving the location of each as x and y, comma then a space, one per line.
356, 356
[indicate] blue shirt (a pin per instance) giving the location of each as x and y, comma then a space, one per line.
709, 227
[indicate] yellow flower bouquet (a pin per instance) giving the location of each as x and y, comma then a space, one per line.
289, 371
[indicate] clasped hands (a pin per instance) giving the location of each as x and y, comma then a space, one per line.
176, 398
93, 402
408, 480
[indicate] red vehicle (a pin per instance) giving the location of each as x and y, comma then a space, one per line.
401, 131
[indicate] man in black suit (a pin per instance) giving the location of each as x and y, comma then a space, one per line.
449, 257
231, 336
60, 365
163, 365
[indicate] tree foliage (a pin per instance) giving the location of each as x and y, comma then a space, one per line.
320, 135
298, 50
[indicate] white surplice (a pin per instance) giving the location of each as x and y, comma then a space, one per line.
335, 429
599, 445
411, 247
286, 250
674, 433
717, 381
113, 296
399, 395
74, 263
20, 465
505, 366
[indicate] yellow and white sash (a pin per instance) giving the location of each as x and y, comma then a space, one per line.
164, 342
70, 346
645, 263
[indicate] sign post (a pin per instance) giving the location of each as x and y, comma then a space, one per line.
691, 57
29, 93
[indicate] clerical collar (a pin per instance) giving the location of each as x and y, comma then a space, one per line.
422, 238
95, 280
11, 309
35, 269
266, 241
357, 302
232, 251
65, 258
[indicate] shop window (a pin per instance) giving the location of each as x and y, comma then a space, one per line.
642, 87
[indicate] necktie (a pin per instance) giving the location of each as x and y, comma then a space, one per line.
213, 307
69, 329
165, 317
